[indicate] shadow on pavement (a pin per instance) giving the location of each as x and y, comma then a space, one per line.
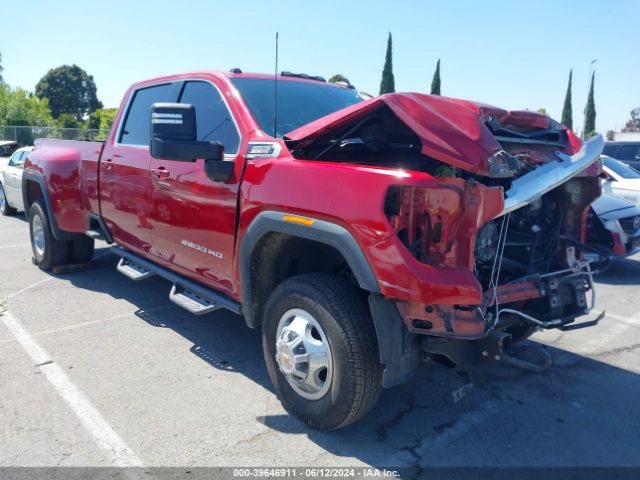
582, 412
623, 271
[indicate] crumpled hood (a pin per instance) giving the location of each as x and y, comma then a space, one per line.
452, 131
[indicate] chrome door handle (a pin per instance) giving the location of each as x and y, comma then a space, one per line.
160, 173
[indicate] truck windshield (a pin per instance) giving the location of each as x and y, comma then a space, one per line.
298, 102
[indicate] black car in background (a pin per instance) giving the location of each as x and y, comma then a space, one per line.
627, 152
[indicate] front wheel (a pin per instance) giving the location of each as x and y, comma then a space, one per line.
48, 252
321, 350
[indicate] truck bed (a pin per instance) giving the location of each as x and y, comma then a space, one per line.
69, 169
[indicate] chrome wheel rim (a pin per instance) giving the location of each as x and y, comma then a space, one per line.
3, 200
37, 227
303, 354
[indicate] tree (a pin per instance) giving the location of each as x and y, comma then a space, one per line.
19, 107
542, 110
388, 84
435, 83
611, 135
590, 112
338, 77
67, 120
69, 90
102, 118
1, 69
567, 113
633, 124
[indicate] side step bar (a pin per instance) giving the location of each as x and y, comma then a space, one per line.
191, 296
191, 301
132, 270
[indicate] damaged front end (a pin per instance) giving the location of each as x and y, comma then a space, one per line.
504, 201
530, 260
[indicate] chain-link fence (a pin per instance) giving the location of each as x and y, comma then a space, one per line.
27, 135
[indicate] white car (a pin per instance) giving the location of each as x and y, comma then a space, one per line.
11, 182
620, 180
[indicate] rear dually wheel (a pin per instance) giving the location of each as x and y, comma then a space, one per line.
48, 252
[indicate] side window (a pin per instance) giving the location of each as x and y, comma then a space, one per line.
212, 115
610, 150
136, 128
17, 159
628, 152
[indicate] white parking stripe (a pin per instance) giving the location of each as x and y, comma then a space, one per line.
633, 320
15, 245
33, 285
104, 436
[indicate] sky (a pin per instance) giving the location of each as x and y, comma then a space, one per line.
512, 54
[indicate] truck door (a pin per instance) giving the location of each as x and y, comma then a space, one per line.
125, 179
193, 217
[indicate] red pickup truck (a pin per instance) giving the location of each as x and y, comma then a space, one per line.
359, 234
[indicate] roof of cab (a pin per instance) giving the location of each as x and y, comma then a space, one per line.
224, 74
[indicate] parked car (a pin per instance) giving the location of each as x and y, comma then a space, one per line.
621, 180
613, 229
358, 234
11, 182
7, 147
627, 152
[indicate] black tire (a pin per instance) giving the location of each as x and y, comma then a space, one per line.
82, 249
53, 252
5, 208
343, 314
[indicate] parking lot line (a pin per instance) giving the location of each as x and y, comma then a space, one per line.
16, 245
103, 434
29, 287
633, 320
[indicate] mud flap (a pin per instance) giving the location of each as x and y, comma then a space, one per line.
399, 351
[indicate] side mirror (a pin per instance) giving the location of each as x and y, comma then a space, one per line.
174, 137
174, 134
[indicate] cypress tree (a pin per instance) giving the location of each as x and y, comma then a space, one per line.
567, 113
590, 112
387, 84
435, 83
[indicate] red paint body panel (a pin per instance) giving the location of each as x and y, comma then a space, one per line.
70, 171
326, 191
